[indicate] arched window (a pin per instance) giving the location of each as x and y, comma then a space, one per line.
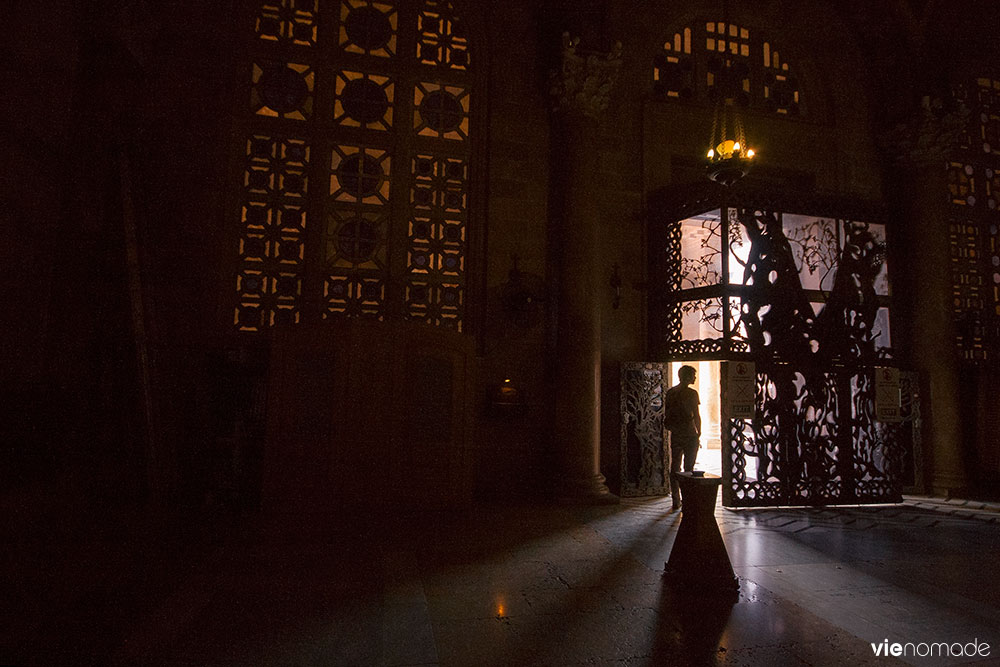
356, 163
695, 62
973, 172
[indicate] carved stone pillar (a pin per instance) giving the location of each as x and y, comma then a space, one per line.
580, 91
923, 288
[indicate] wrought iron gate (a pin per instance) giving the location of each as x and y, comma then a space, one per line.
803, 295
813, 441
645, 459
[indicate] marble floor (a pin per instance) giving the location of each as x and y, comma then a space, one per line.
510, 585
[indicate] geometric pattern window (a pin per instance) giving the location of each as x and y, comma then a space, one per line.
696, 63
973, 178
356, 158
273, 219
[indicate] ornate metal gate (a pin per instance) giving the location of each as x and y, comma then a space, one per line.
813, 441
806, 297
645, 459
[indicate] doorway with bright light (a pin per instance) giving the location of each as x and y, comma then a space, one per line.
707, 384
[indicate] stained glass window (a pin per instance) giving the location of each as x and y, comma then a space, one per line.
387, 235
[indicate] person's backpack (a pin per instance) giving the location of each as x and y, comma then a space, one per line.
675, 416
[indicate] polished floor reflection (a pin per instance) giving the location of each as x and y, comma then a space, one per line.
522, 585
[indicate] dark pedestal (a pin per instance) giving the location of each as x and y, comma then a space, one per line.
698, 558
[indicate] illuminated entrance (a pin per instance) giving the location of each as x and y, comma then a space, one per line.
707, 385
804, 300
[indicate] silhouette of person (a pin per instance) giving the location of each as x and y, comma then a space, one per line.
682, 419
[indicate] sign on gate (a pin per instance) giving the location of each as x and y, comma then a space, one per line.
741, 389
887, 395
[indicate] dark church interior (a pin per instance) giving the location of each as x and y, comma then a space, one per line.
343, 332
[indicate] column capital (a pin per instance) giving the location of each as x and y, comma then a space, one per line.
927, 136
584, 81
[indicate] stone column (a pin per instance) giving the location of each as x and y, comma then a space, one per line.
580, 91
922, 282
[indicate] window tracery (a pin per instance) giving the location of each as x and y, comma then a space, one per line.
271, 243
378, 95
973, 178
673, 69
441, 37
719, 58
287, 21
781, 91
